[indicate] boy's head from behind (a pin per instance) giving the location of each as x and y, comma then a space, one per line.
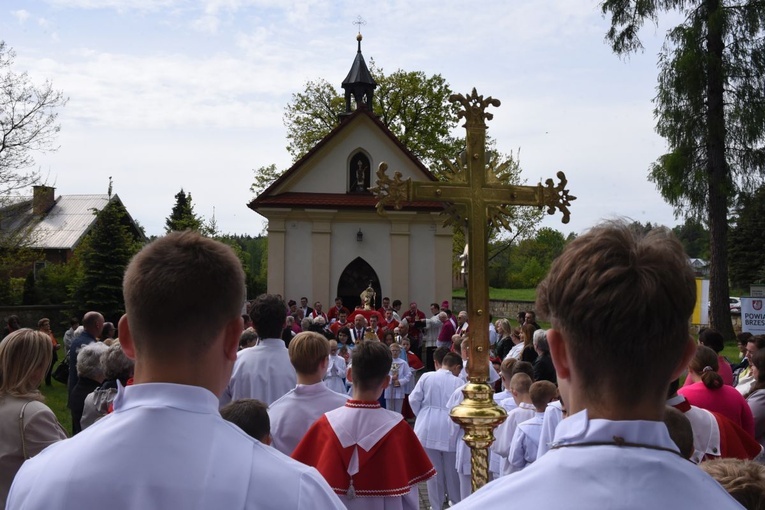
619, 303
453, 363
438, 355
307, 352
250, 415
370, 365
522, 367
542, 393
520, 384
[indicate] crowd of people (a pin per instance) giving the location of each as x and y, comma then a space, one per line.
289, 406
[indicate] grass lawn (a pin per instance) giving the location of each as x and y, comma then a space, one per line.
55, 398
505, 294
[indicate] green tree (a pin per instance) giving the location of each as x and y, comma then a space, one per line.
105, 254
710, 107
183, 216
414, 106
695, 238
746, 246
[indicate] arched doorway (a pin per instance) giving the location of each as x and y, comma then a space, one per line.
355, 278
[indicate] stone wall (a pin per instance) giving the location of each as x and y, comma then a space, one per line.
499, 309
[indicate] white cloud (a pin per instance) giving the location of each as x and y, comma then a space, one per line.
21, 15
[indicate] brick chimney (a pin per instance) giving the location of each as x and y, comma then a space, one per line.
43, 198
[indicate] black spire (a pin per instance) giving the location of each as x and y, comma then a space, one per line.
359, 83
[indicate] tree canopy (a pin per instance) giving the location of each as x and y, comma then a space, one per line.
746, 244
414, 106
183, 216
28, 123
710, 107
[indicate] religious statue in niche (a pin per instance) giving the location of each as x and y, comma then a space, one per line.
359, 174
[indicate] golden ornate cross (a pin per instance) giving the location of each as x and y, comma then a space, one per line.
475, 197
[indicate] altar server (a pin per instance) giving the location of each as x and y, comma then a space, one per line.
619, 303
166, 445
368, 455
434, 427
293, 414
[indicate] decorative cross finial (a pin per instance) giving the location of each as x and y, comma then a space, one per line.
359, 22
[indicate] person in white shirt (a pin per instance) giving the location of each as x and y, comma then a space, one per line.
523, 450
166, 445
294, 413
553, 416
435, 429
607, 281
520, 384
334, 377
399, 378
263, 372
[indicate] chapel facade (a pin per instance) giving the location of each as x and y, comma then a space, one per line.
325, 237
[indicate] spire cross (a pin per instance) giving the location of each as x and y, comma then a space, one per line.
359, 22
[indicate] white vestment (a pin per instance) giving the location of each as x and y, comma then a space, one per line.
335, 376
437, 432
523, 450
263, 372
394, 395
578, 474
504, 434
553, 416
493, 375
292, 415
166, 446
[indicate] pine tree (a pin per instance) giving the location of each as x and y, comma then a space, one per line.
183, 216
105, 254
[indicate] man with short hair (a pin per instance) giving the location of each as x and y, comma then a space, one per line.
263, 372
166, 445
358, 329
307, 310
604, 283
385, 306
92, 324
340, 323
293, 414
447, 331
334, 312
317, 306
430, 335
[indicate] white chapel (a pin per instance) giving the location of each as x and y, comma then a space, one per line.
325, 237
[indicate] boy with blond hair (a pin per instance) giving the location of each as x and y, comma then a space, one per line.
294, 413
369, 456
520, 385
525, 443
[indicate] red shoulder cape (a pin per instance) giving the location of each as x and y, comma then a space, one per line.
390, 468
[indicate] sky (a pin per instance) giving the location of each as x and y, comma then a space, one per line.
171, 94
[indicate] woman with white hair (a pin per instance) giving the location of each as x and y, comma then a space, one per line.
90, 375
118, 368
27, 425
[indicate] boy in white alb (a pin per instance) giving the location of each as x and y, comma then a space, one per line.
619, 303
334, 377
553, 416
435, 429
399, 378
523, 450
369, 456
166, 446
520, 385
293, 414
